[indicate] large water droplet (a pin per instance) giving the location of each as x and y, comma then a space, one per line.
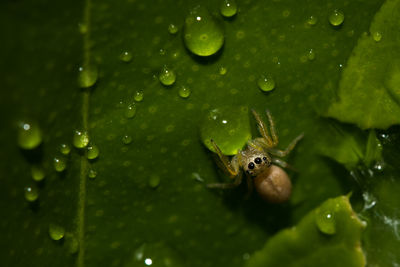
325, 220
228, 127
31, 193
56, 232
167, 76
65, 149
37, 173
87, 76
228, 8
336, 18
80, 139
130, 111
266, 83
29, 135
184, 92
60, 164
202, 35
92, 152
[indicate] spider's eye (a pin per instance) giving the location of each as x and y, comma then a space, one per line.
251, 165
257, 160
264, 158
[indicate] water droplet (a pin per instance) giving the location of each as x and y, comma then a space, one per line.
60, 164
311, 55
167, 76
312, 20
56, 232
65, 149
92, 152
157, 254
92, 173
203, 35
138, 97
228, 8
154, 181
325, 220
172, 28
127, 139
29, 135
130, 111
228, 127
266, 83
31, 193
81, 139
336, 18
184, 92
377, 36
222, 70
125, 56
37, 173
87, 76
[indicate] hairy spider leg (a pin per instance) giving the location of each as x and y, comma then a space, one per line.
262, 128
232, 167
283, 153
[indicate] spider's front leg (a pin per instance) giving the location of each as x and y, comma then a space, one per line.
231, 167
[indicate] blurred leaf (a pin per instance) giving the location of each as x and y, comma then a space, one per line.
369, 90
327, 236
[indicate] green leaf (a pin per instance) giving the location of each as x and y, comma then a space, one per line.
369, 92
327, 236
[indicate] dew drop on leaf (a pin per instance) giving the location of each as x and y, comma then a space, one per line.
92, 173
125, 56
154, 181
29, 135
130, 111
56, 232
65, 149
37, 173
80, 139
60, 164
312, 20
377, 36
31, 193
92, 152
202, 34
229, 127
325, 220
167, 76
184, 92
336, 18
138, 97
228, 8
87, 76
266, 83
126, 139
172, 28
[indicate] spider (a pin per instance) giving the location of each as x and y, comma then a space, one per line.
271, 182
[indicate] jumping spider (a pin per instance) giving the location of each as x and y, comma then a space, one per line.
270, 181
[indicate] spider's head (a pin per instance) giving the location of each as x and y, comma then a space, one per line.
255, 163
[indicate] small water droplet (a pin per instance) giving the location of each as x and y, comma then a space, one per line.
157, 254
92, 152
138, 97
130, 111
228, 8
266, 83
369, 200
125, 56
29, 135
80, 139
172, 28
202, 35
229, 127
127, 139
83, 28
312, 20
37, 173
31, 193
56, 232
222, 70
377, 36
167, 76
184, 92
336, 18
325, 220
87, 76
311, 55
59, 164
65, 149
154, 181
92, 173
